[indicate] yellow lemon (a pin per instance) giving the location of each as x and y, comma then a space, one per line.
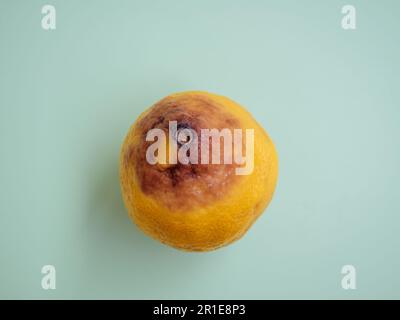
196, 171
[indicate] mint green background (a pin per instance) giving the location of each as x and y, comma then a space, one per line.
329, 98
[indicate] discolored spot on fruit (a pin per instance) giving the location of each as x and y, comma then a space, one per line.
231, 122
159, 121
183, 186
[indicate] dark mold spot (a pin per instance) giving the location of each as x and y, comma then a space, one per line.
172, 173
183, 125
159, 121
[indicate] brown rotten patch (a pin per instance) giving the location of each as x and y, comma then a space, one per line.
180, 186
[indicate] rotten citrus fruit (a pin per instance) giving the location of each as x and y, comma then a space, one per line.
196, 171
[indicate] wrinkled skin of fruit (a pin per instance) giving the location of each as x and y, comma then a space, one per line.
195, 207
